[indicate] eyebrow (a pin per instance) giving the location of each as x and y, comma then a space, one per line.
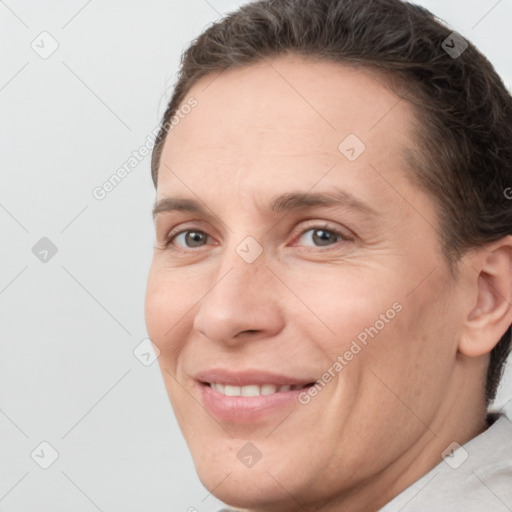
283, 203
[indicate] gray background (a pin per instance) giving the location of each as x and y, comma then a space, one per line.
68, 326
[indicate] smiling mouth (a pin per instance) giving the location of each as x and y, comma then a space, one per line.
251, 390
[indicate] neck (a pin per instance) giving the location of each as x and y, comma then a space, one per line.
459, 418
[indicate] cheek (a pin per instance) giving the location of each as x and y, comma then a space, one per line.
346, 306
155, 305
380, 329
166, 307
413, 356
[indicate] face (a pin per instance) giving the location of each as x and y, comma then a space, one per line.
323, 310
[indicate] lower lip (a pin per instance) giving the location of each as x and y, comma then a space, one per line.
245, 409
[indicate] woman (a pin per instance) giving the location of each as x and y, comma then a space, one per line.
331, 284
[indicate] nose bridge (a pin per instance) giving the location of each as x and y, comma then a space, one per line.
235, 279
241, 268
241, 297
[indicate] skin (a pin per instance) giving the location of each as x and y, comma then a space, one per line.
386, 418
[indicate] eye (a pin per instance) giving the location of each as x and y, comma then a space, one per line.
190, 238
317, 235
322, 236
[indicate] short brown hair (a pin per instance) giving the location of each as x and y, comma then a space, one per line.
464, 111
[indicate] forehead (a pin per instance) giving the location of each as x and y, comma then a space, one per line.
286, 119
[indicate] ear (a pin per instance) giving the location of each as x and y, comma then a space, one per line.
491, 310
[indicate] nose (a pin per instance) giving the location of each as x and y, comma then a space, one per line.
242, 303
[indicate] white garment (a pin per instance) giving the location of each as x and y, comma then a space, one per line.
482, 481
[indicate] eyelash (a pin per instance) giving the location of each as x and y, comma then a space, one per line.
315, 227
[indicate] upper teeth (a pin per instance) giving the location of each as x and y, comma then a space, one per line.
251, 389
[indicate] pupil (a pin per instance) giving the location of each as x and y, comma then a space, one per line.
193, 237
323, 238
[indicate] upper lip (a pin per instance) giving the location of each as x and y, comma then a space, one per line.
247, 377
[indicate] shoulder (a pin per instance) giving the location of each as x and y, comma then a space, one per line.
477, 476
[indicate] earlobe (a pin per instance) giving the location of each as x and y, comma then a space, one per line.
491, 312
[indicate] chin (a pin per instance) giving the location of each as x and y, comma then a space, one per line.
267, 485
243, 488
